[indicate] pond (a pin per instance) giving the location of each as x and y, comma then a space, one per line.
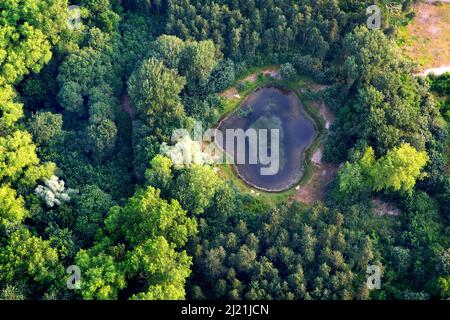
282, 114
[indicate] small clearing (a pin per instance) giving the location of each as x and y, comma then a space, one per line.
314, 190
128, 107
382, 208
427, 38
270, 72
231, 93
324, 112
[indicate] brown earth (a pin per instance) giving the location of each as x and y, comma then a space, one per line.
427, 38
323, 174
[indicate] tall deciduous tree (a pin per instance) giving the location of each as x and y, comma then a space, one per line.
28, 29
154, 91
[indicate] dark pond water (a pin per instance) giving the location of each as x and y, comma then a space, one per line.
272, 108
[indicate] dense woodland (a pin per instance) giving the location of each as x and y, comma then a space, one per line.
84, 111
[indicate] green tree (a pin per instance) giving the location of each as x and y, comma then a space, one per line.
168, 49
154, 90
19, 161
30, 259
147, 216
101, 138
92, 206
288, 71
101, 277
196, 187
160, 174
44, 126
28, 29
399, 169
12, 208
10, 110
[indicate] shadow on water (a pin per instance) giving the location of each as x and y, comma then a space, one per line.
273, 108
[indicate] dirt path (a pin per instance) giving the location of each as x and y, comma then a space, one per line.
436, 71
323, 173
128, 107
315, 189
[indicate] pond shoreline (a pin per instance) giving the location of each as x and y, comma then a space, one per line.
305, 158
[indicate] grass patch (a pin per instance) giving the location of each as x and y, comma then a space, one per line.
426, 39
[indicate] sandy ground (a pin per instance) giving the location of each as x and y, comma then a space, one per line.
436, 71
272, 72
314, 190
325, 113
230, 93
323, 173
428, 40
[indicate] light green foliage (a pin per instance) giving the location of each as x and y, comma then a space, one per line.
12, 209
18, 160
194, 60
398, 170
28, 28
160, 173
12, 292
10, 111
147, 216
149, 233
288, 71
29, 258
166, 270
101, 278
54, 192
195, 188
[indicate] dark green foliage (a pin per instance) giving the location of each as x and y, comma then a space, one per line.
294, 253
287, 71
441, 84
45, 126
222, 76
186, 232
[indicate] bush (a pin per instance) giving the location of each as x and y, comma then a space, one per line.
288, 71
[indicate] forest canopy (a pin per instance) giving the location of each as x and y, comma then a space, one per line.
87, 179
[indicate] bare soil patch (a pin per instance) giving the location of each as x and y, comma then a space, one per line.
230, 93
271, 72
427, 38
314, 190
324, 112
